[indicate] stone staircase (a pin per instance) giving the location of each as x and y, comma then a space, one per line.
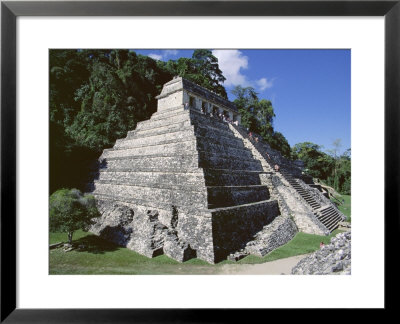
330, 217
301, 190
197, 180
327, 215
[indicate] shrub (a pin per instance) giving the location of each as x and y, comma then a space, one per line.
71, 210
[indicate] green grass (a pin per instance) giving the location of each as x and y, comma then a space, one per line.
102, 257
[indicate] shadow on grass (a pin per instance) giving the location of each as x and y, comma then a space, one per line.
93, 244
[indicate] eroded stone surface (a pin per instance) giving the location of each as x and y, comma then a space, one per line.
334, 258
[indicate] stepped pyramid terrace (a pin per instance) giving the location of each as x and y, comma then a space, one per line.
189, 182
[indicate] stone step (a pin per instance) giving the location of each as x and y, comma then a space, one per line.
324, 219
327, 210
214, 160
333, 224
198, 118
182, 162
223, 141
222, 138
167, 120
301, 190
313, 203
167, 112
195, 196
214, 177
160, 141
158, 130
304, 193
175, 147
309, 198
152, 139
152, 178
327, 218
210, 130
225, 196
328, 223
231, 151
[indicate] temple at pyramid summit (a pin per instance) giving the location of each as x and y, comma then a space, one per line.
190, 183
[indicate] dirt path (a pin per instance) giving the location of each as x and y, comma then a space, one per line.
278, 267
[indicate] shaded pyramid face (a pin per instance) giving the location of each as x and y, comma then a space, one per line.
181, 184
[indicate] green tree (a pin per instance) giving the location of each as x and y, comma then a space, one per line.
332, 168
202, 68
70, 210
120, 91
279, 142
340, 178
317, 163
258, 116
265, 115
246, 101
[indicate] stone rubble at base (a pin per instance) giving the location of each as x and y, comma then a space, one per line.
334, 258
187, 184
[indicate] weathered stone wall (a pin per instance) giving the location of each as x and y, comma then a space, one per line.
152, 232
234, 228
274, 235
174, 100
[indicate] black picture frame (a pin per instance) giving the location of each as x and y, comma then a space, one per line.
11, 10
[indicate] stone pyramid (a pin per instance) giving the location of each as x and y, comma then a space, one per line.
187, 184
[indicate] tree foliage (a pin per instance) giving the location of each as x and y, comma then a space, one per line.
70, 210
258, 116
332, 168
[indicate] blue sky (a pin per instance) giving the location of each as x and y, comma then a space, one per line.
309, 89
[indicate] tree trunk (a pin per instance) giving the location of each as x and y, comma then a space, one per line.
70, 237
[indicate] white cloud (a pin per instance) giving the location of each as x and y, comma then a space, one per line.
155, 56
232, 63
264, 83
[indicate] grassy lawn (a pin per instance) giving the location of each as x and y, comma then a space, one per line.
102, 257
